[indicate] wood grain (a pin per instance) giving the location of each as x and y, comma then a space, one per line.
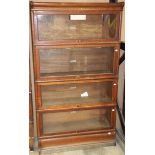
76, 6
85, 139
31, 135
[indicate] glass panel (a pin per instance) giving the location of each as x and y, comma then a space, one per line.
76, 120
76, 93
74, 61
62, 27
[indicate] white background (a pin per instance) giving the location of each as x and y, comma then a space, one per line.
140, 77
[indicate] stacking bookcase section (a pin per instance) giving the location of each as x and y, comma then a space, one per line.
78, 61
69, 27
76, 94
70, 121
63, 22
76, 50
59, 126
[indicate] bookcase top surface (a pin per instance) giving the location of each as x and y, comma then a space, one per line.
36, 5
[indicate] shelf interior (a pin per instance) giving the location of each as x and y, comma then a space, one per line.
79, 93
76, 120
76, 61
62, 27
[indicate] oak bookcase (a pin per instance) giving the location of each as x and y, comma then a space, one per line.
75, 50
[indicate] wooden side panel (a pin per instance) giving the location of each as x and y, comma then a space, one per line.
31, 135
31, 121
30, 107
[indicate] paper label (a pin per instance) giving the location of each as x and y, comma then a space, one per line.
85, 94
77, 17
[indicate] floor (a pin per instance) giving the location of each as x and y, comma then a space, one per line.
88, 150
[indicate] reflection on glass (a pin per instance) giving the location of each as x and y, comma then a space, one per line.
72, 61
61, 27
79, 93
76, 120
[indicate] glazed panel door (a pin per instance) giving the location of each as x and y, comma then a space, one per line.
79, 60
76, 94
77, 27
77, 121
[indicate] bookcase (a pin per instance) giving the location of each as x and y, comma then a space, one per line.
75, 50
